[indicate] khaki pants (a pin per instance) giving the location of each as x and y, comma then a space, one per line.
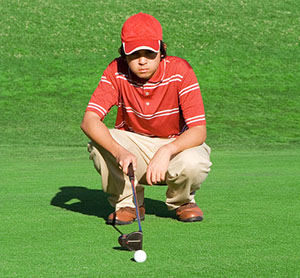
187, 170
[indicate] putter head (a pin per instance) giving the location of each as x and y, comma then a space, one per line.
132, 241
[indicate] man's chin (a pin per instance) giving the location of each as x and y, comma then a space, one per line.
144, 75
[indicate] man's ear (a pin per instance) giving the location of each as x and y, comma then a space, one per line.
163, 49
165, 46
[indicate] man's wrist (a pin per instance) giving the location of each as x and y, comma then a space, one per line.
172, 148
116, 148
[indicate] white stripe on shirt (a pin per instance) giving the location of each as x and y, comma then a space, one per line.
195, 119
152, 116
189, 89
199, 116
97, 107
120, 125
103, 80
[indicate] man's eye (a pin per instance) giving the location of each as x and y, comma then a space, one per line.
150, 54
147, 53
133, 56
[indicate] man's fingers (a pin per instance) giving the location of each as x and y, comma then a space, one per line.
126, 165
154, 176
134, 165
121, 165
148, 177
162, 177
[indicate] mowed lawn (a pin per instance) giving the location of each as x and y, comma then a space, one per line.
53, 219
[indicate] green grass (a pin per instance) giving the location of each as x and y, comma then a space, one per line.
246, 57
53, 219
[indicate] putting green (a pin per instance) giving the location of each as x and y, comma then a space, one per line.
53, 219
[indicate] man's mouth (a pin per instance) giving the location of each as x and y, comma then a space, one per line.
143, 70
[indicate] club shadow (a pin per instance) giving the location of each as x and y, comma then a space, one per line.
119, 248
94, 202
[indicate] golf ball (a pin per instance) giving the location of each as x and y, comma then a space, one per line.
140, 256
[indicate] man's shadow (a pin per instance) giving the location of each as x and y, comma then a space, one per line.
94, 202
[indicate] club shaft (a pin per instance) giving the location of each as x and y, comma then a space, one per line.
117, 229
136, 204
131, 178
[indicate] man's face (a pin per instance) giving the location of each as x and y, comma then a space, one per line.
143, 63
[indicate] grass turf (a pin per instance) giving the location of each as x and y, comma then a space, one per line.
53, 219
244, 53
246, 57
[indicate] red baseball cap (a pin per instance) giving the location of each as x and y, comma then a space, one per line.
141, 31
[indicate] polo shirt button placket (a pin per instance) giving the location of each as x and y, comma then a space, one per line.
147, 102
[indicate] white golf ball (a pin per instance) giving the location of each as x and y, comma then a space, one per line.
140, 256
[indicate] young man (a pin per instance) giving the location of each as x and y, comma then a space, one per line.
160, 126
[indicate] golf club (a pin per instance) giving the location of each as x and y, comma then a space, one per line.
134, 240
131, 178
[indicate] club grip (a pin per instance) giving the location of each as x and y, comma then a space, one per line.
130, 172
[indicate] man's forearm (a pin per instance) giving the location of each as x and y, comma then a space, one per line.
93, 127
96, 130
192, 137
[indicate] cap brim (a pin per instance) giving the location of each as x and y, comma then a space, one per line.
130, 47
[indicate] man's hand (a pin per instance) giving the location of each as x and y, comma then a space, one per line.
124, 158
158, 165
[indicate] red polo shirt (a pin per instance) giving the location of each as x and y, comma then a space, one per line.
164, 106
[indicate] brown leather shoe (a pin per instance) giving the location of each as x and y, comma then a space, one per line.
189, 212
125, 216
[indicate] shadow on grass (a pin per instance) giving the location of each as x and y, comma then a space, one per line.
94, 202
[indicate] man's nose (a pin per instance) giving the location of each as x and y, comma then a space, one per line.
142, 60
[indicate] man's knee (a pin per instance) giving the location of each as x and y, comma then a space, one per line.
191, 164
194, 167
196, 171
95, 156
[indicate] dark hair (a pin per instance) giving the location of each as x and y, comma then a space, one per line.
163, 50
